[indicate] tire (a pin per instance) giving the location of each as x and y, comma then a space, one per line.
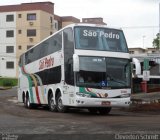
51, 104
93, 110
27, 103
60, 107
104, 111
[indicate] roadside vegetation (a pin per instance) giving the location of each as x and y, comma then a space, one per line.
8, 82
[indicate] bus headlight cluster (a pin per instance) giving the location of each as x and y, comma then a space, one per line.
125, 95
83, 94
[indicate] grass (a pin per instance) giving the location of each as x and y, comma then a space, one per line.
8, 82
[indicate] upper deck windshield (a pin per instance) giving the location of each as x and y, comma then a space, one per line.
102, 39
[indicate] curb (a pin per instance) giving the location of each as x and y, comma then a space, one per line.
5, 88
142, 101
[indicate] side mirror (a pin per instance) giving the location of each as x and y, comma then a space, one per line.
137, 64
75, 63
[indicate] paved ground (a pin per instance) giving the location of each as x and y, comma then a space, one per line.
147, 96
15, 119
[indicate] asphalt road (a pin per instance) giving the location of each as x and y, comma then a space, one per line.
15, 119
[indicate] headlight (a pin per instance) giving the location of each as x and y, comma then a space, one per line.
83, 94
125, 95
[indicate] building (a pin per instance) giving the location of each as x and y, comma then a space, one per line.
21, 27
150, 61
138, 50
63, 21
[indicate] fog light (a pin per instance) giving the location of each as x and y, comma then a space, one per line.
82, 102
78, 101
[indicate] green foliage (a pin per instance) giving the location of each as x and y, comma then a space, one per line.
8, 82
156, 42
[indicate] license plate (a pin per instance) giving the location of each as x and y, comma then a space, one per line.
106, 103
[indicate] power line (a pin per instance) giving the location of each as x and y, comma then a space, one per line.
138, 27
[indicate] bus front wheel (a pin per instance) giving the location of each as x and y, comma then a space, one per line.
104, 111
60, 106
27, 103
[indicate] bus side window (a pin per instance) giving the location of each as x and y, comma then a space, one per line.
68, 55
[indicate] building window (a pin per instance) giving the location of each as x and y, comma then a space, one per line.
56, 25
19, 31
9, 49
10, 65
20, 47
31, 32
19, 15
31, 16
131, 52
10, 18
10, 33
29, 46
51, 19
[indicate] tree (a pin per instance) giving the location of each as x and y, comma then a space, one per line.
156, 42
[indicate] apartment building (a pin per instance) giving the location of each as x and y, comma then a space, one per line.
63, 21
21, 27
7, 44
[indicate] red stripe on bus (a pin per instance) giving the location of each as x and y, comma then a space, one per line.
23, 70
37, 95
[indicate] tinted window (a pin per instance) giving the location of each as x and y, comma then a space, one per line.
31, 16
50, 76
68, 55
55, 43
31, 32
9, 18
45, 48
10, 65
10, 49
10, 33
104, 39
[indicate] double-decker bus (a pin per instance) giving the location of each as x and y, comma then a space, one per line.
81, 65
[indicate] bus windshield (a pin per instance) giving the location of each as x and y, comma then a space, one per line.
101, 72
102, 39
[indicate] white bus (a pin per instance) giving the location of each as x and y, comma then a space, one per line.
82, 65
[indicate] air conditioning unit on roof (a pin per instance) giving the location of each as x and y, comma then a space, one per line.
30, 23
31, 39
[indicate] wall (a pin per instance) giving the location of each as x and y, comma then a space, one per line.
5, 41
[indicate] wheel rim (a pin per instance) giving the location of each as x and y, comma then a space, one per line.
52, 105
60, 104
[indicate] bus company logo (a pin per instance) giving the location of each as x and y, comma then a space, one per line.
46, 63
92, 33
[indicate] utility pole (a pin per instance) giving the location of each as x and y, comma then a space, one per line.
159, 28
159, 36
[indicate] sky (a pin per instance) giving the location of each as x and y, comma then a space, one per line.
139, 19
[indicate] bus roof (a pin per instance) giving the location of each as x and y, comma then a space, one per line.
90, 25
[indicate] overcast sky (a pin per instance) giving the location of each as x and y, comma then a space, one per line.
138, 18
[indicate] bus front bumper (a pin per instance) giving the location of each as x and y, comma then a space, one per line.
102, 102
